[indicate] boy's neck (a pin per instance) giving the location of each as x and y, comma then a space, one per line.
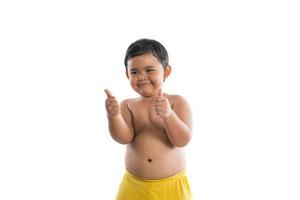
149, 98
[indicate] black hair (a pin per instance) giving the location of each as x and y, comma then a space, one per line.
145, 46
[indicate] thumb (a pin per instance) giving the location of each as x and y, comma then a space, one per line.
108, 93
160, 94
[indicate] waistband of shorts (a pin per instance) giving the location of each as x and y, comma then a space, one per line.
176, 176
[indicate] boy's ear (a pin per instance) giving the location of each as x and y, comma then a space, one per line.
167, 71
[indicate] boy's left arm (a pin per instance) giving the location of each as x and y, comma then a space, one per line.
177, 121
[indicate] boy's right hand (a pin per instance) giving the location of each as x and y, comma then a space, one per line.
112, 105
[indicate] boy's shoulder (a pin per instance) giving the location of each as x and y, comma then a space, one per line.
175, 96
176, 99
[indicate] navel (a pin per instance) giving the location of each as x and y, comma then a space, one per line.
149, 160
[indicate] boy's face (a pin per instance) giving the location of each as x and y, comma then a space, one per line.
146, 74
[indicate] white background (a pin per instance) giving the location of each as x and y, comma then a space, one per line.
236, 62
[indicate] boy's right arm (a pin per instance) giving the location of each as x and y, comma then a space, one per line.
119, 120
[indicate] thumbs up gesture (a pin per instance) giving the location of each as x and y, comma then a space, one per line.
112, 105
162, 105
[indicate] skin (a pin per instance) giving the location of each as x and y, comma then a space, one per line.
155, 127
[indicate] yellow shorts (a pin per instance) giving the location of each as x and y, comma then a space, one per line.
172, 188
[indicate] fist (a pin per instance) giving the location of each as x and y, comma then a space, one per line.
162, 105
112, 105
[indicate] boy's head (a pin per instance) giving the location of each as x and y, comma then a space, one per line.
146, 46
147, 66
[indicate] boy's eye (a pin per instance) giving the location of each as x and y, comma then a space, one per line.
149, 70
132, 72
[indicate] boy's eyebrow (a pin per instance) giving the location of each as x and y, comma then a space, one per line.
150, 66
147, 67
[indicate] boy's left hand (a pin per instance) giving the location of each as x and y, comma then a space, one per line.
162, 105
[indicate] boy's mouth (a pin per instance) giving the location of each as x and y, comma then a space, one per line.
142, 84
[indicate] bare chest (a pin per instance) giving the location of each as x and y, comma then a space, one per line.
145, 117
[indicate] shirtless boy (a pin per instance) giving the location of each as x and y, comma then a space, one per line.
155, 127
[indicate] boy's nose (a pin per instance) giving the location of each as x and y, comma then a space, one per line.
141, 76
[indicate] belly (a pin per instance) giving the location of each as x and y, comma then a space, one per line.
152, 156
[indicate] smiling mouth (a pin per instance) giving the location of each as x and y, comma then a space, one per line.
144, 84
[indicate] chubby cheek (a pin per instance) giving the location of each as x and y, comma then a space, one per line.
157, 80
133, 84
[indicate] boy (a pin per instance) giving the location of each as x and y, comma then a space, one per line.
155, 127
